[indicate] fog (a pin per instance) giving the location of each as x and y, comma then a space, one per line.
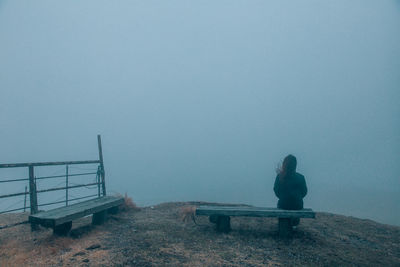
200, 100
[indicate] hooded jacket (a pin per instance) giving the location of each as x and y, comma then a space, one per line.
290, 191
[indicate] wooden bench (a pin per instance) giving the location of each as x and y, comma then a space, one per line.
221, 216
60, 219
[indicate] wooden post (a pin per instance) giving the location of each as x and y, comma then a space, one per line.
102, 173
66, 185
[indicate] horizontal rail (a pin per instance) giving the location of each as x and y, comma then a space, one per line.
82, 197
63, 201
69, 175
48, 177
14, 195
15, 180
47, 204
1, 212
48, 190
62, 188
16, 165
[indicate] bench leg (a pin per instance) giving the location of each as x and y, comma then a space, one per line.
223, 224
99, 217
213, 218
62, 229
295, 221
113, 210
285, 227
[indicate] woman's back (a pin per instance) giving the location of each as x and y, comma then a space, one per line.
290, 190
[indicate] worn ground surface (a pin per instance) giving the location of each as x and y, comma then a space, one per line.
157, 236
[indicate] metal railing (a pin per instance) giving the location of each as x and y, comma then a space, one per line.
33, 190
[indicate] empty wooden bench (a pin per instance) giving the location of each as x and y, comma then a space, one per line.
221, 216
60, 219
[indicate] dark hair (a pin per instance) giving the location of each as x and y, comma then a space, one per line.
288, 167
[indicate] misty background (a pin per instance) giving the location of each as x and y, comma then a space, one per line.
200, 100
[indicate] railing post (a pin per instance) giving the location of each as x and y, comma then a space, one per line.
66, 185
102, 173
98, 181
32, 191
33, 196
26, 191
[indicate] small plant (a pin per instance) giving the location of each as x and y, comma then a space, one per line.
188, 213
128, 204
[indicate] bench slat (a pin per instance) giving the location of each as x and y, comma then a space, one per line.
254, 212
61, 215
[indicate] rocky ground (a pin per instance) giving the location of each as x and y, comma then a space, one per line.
157, 236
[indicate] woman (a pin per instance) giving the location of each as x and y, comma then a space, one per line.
290, 186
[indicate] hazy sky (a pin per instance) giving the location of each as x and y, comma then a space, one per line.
200, 100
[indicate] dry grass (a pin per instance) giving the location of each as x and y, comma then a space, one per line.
21, 247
